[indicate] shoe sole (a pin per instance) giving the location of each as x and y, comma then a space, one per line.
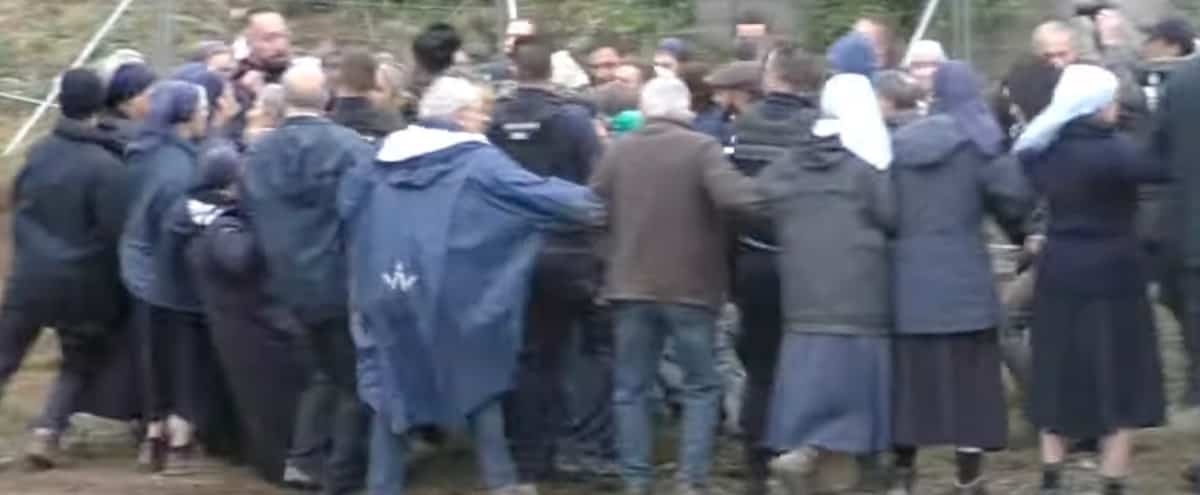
38, 462
796, 479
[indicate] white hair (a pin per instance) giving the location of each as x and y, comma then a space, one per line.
666, 97
448, 95
928, 51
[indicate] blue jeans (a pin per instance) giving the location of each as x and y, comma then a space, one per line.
641, 330
389, 453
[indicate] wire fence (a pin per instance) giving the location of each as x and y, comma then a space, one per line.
48, 35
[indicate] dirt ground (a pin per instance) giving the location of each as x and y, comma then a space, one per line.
102, 453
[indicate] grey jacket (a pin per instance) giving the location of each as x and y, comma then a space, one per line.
833, 213
944, 187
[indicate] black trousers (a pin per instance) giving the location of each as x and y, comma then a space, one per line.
331, 422
759, 300
19, 330
1180, 292
536, 412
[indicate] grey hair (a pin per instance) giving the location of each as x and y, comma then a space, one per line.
274, 101
898, 87
447, 96
1078, 29
666, 97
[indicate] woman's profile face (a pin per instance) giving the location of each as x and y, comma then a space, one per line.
198, 125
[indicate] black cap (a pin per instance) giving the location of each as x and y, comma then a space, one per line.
81, 94
1176, 31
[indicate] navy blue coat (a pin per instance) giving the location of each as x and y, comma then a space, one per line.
157, 178
67, 215
290, 196
443, 231
1090, 177
944, 188
252, 335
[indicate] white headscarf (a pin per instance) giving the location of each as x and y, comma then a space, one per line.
851, 112
1082, 90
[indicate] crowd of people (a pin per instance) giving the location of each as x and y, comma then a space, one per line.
320, 266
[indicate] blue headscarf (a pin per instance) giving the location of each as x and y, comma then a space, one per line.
853, 54
957, 93
198, 74
171, 103
128, 81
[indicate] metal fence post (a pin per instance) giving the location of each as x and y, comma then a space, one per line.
164, 37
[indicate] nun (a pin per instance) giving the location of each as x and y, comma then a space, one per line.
948, 176
162, 161
832, 204
1097, 372
251, 333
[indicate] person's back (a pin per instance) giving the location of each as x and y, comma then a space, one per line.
66, 221
546, 134
443, 230
290, 191
1092, 188
667, 206
833, 214
946, 186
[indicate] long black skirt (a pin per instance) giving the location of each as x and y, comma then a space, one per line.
949, 391
1096, 365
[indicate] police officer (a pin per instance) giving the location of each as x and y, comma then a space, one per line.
552, 136
763, 132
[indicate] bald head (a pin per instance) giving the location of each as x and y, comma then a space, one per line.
1054, 42
269, 38
304, 88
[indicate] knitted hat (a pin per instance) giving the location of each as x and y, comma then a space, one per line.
81, 94
129, 81
627, 121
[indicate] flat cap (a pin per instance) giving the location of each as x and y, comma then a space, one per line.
736, 75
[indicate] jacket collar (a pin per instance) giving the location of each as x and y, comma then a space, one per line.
419, 140
76, 130
669, 122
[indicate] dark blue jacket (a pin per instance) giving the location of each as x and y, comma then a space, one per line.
547, 134
944, 188
1090, 178
290, 196
157, 178
67, 216
715, 123
442, 232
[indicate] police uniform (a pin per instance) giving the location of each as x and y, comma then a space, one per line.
551, 135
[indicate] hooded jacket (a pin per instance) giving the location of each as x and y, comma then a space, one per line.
442, 232
944, 188
67, 216
290, 197
157, 178
833, 215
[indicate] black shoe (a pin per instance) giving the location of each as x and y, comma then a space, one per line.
903, 481
297, 479
152, 455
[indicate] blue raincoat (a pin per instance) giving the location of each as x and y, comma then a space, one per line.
442, 233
